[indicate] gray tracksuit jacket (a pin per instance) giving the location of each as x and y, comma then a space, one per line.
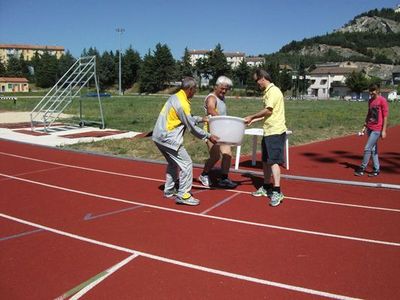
175, 117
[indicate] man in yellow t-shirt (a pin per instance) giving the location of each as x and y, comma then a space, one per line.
273, 141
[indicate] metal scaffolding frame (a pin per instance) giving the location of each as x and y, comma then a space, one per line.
61, 95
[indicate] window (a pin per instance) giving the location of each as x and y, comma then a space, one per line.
323, 81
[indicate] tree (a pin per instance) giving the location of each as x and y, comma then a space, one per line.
107, 70
64, 63
2, 69
241, 73
202, 69
14, 67
164, 64
285, 80
185, 67
357, 82
147, 83
46, 70
218, 64
131, 63
273, 70
24, 67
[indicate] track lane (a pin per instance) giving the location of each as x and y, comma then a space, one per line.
206, 238
341, 220
239, 204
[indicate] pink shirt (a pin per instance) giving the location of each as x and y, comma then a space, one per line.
378, 108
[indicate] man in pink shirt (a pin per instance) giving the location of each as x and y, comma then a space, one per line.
375, 126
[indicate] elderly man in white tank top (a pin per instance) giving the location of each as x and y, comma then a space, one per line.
214, 105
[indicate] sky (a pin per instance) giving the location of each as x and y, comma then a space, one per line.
252, 26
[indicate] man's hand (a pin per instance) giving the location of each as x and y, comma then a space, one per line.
248, 120
213, 139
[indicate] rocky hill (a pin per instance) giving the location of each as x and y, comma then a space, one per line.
372, 24
371, 40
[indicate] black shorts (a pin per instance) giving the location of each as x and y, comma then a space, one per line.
273, 147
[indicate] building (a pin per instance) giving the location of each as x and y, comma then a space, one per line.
27, 51
14, 84
328, 80
252, 61
233, 58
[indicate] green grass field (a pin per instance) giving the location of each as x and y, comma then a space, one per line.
309, 120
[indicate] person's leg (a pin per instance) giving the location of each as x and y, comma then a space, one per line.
226, 153
171, 177
266, 188
374, 153
276, 174
214, 152
368, 149
184, 162
225, 182
275, 146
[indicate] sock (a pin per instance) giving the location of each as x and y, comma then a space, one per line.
277, 189
267, 186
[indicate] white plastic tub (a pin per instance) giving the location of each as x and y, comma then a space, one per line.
230, 130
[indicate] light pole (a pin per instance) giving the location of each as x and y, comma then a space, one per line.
120, 31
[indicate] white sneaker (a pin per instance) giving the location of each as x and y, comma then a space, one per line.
204, 180
187, 199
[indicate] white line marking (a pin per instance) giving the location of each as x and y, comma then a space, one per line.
181, 263
199, 186
209, 216
109, 272
218, 204
34, 172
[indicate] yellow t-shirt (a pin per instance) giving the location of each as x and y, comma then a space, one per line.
275, 123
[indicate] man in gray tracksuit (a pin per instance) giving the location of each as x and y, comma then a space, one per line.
175, 117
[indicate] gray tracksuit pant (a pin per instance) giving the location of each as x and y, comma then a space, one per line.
179, 169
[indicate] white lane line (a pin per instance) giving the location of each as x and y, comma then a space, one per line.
33, 172
181, 263
208, 216
218, 204
100, 279
199, 186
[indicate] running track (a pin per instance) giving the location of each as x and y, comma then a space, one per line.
98, 227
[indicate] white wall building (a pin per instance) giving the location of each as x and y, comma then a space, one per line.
233, 58
329, 80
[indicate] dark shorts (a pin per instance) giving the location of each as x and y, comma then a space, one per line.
273, 147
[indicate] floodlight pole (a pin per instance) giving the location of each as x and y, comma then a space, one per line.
120, 31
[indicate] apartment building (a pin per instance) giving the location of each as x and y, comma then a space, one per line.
233, 58
27, 51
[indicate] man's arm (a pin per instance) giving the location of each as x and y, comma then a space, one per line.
264, 113
385, 121
211, 105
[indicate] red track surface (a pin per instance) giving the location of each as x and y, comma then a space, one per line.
338, 158
325, 238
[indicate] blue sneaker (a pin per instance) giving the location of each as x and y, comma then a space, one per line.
276, 198
262, 192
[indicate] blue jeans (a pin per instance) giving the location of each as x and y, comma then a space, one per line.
371, 149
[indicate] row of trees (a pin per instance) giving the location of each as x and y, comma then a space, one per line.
158, 70
155, 72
